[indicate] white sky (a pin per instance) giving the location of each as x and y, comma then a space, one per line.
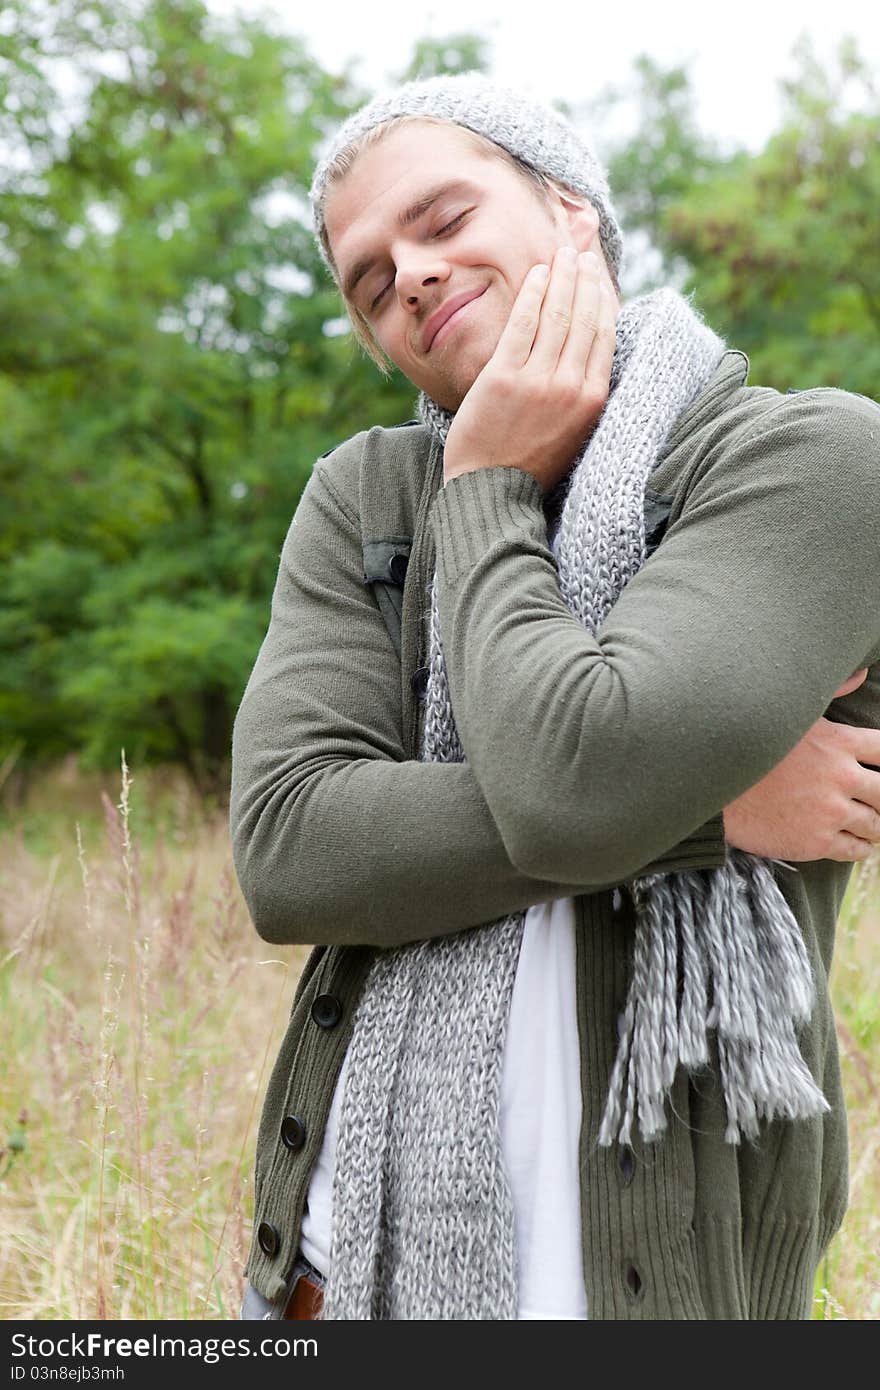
560, 49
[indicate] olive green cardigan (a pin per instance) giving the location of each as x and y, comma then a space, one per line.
590, 762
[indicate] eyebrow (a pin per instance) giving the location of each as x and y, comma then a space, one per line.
405, 219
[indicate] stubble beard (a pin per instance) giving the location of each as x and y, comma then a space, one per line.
467, 367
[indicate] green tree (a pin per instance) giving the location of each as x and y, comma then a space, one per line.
784, 249
660, 160
172, 362
779, 248
454, 54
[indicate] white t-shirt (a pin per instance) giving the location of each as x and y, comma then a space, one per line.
539, 1121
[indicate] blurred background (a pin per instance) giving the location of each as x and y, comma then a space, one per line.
173, 358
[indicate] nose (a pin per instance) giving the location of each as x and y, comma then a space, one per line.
418, 269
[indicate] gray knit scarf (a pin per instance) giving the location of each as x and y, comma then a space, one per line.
423, 1224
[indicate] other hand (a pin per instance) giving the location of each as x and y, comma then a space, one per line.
819, 802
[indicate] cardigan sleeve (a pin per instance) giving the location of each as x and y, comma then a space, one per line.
338, 836
595, 753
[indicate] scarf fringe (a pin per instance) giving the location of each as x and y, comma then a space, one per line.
743, 974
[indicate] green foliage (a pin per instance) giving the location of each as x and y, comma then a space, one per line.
170, 367
661, 159
784, 250
454, 54
779, 248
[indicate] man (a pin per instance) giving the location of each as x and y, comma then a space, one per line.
565, 1047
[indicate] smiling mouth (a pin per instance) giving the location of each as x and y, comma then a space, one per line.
450, 323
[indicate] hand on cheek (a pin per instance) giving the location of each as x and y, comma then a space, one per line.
540, 394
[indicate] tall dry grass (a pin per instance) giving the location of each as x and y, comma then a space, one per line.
141, 1015
848, 1281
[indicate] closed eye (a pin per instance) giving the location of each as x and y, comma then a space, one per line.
441, 231
454, 223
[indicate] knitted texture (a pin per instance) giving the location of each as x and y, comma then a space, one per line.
525, 128
422, 1215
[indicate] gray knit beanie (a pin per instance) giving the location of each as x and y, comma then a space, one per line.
523, 126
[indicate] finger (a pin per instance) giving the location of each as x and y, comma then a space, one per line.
556, 311
860, 741
848, 849
852, 684
867, 788
864, 822
586, 316
864, 744
518, 334
598, 373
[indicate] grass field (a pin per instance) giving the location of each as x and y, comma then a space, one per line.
141, 1014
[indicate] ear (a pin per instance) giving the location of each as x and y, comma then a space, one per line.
581, 217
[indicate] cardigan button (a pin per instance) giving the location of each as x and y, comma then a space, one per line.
633, 1282
398, 566
418, 681
293, 1132
326, 1010
268, 1238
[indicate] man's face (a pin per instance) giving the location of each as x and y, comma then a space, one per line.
473, 242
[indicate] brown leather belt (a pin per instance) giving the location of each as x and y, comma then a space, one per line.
306, 1301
